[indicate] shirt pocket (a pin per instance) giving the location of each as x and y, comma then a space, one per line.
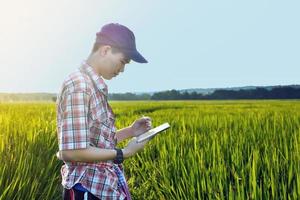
102, 127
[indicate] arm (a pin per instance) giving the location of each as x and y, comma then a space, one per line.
124, 134
90, 154
74, 133
137, 128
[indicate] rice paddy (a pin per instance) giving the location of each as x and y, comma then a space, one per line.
213, 150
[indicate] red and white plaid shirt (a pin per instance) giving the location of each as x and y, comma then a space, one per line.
85, 118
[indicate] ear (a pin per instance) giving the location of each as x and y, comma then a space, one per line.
104, 50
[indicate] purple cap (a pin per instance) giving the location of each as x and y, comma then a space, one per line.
121, 37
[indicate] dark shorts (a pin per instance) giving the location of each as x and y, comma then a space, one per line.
73, 194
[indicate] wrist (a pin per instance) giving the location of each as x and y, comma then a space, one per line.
131, 132
119, 156
126, 153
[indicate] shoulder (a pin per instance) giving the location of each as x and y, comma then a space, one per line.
77, 82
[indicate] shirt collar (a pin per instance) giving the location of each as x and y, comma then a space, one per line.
97, 80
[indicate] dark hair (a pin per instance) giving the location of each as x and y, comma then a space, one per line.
96, 46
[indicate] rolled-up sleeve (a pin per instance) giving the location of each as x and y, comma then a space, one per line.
74, 127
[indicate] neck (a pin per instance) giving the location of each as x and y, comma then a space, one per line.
92, 62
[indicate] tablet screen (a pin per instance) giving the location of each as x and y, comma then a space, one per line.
153, 132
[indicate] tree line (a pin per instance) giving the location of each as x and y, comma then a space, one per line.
282, 92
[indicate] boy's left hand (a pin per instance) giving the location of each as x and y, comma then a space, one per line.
141, 126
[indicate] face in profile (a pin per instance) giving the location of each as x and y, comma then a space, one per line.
112, 63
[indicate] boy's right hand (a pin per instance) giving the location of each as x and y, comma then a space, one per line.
133, 147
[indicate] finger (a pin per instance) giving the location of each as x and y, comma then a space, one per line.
146, 118
149, 124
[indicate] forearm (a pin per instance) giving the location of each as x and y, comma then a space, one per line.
124, 133
90, 154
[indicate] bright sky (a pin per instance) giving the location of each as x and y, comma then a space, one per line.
189, 44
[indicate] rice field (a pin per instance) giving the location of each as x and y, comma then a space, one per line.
213, 150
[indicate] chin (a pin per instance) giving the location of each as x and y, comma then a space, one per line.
109, 78
106, 77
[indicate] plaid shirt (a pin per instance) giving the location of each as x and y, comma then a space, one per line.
85, 118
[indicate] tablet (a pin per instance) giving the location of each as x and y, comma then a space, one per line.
151, 133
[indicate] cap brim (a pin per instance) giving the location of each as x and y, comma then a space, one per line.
136, 56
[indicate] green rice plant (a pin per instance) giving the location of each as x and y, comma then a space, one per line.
213, 150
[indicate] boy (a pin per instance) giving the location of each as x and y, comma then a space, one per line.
86, 132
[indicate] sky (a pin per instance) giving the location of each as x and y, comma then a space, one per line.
188, 44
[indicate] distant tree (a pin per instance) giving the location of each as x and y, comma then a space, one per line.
54, 98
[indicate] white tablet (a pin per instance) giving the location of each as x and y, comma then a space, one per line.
152, 132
